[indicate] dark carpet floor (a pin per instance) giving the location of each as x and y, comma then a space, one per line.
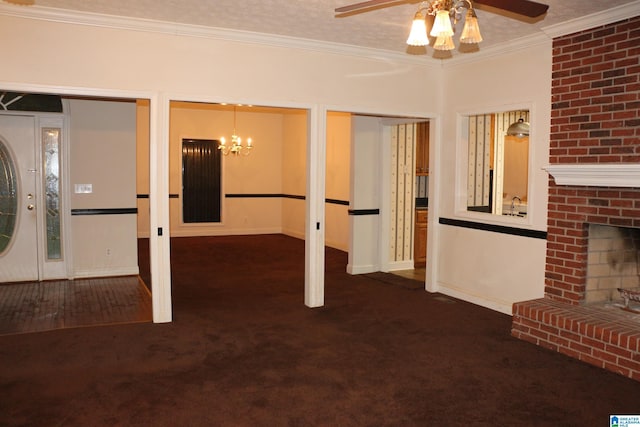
243, 350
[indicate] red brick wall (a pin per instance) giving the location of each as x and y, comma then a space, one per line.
595, 118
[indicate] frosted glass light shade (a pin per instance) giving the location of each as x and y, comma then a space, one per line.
442, 25
418, 34
471, 30
444, 43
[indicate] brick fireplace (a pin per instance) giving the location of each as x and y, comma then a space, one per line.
594, 168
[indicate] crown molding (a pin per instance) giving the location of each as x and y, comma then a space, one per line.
215, 33
516, 45
249, 37
596, 175
549, 32
188, 30
594, 20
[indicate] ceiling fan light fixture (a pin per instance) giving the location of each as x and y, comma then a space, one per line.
442, 25
447, 13
418, 34
471, 30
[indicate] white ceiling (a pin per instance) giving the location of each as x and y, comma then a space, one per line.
384, 28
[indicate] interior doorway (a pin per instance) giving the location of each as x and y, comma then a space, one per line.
257, 191
389, 191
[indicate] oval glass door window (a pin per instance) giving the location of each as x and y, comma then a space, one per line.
8, 198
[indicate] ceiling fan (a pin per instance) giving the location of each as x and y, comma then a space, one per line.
443, 16
527, 8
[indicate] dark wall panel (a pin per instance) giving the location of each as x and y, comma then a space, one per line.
201, 171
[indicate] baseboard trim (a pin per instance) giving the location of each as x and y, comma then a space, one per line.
106, 272
492, 304
362, 269
293, 233
224, 232
400, 265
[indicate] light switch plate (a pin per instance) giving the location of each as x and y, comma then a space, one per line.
83, 188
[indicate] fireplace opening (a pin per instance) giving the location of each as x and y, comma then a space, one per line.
613, 267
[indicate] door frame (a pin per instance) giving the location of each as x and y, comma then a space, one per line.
159, 245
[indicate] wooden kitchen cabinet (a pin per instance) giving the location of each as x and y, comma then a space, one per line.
422, 149
420, 240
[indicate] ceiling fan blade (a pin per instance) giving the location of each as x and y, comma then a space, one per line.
21, 2
528, 8
363, 5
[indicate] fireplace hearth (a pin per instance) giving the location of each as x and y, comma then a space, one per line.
594, 168
592, 277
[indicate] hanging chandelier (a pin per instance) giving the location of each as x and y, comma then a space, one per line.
236, 147
444, 12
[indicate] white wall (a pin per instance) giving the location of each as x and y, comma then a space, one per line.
488, 268
337, 179
87, 56
142, 166
364, 240
294, 161
103, 154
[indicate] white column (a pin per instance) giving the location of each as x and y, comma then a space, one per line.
160, 257
314, 227
435, 138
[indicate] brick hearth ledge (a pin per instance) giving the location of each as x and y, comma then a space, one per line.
606, 337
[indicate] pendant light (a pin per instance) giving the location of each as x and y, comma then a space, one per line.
519, 129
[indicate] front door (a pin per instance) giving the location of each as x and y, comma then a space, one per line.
18, 219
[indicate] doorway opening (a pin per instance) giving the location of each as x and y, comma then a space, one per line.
75, 192
388, 194
251, 195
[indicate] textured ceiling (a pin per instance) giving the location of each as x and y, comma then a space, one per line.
383, 28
